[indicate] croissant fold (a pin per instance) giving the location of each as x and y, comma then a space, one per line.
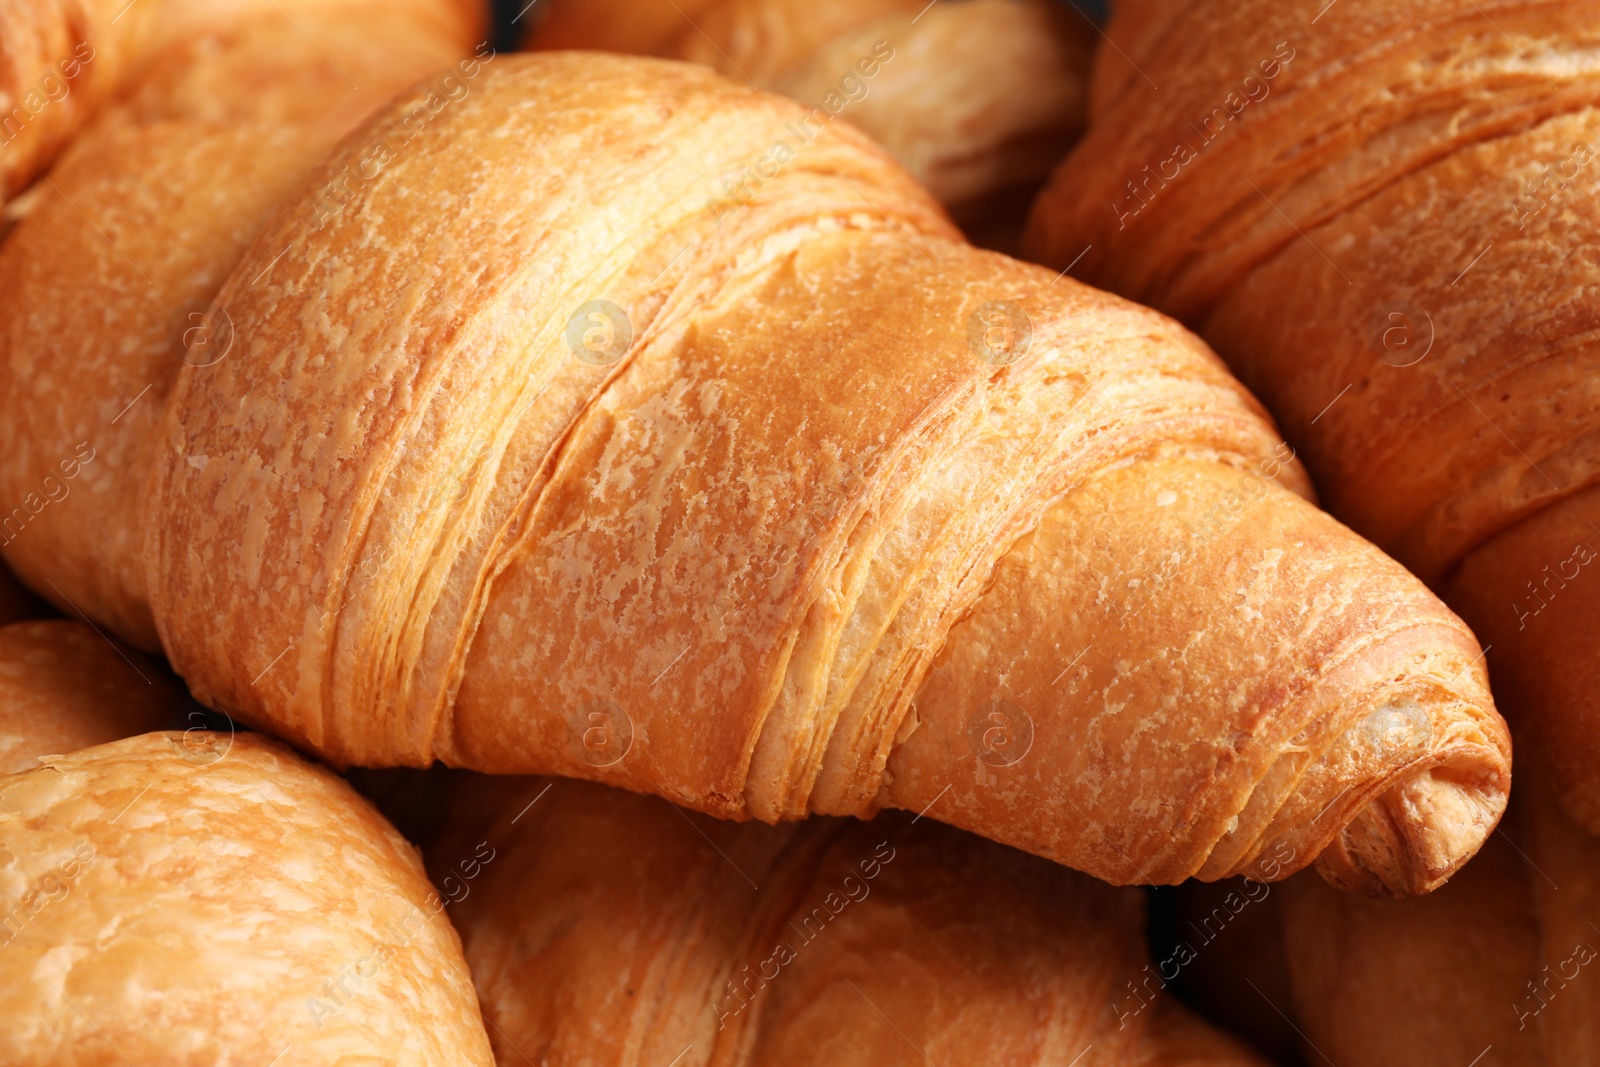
782, 504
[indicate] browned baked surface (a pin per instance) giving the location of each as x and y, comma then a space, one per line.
606, 928
1502, 957
978, 98
62, 61
195, 900
58, 61
220, 116
1380, 218
799, 546
64, 687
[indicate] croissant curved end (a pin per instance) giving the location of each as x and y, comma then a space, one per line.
1412, 838
1432, 813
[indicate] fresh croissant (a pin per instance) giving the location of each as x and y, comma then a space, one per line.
61, 61
196, 898
511, 442
55, 69
605, 928
64, 687
1503, 957
1377, 219
978, 98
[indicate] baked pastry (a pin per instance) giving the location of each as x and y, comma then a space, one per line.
1501, 957
64, 687
49, 82
195, 898
61, 61
978, 98
788, 505
1377, 222
158, 201
606, 928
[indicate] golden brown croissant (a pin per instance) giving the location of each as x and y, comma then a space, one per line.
64, 687
606, 928
978, 98
62, 60
55, 68
1503, 958
785, 503
1375, 215
194, 898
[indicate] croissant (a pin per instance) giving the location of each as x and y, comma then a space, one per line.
785, 504
1397, 189
190, 898
978, 98
64, 687
606, 928
197, 899
62, 61
1501, 957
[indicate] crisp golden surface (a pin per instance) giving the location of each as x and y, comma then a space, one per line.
63, 60
774, 559
221, 116
207, 899
1385, 229
604, 928
978, 98
64, 687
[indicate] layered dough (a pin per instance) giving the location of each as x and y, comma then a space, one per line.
785, 549
978, 98
1383, 225
607, 929
212, 899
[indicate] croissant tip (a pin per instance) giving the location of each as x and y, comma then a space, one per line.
1411, 839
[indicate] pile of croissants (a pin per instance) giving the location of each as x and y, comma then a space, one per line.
640, 535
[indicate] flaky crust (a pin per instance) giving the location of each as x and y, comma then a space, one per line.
1383, 238
775, 560
62, 61
978, 98
605, 928
211, 899
64, 687
223, 111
